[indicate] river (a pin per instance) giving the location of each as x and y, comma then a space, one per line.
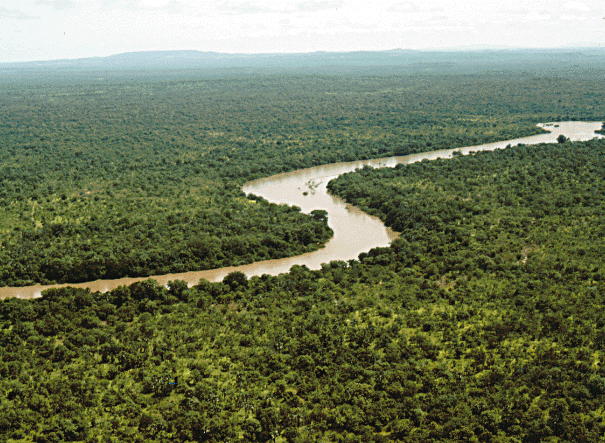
354, 231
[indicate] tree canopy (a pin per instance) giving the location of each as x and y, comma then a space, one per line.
141, 175
483, 322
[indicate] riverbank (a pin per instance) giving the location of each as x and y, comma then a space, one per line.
354, 231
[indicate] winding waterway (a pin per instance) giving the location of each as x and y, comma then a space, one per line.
354, 231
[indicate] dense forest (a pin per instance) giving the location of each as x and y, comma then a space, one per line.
105, 179
482, 322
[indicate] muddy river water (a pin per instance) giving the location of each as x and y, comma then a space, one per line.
354, 231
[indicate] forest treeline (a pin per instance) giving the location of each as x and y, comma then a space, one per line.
104, 179
482, 322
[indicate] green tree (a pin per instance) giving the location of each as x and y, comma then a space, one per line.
236, 280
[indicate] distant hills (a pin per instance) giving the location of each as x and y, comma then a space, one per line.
398, 59
200, 59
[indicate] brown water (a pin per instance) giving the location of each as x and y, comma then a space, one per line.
354, 231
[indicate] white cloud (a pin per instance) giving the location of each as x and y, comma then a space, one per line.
571, 17
15, 14
318, 5
58, 5
576, 6
154, 4
248, 7
537, 17
285, 7
403, 7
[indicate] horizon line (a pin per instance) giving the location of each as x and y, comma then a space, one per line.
470, 48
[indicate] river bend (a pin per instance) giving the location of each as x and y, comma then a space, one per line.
354, 231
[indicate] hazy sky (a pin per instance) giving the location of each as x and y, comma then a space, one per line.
51, 29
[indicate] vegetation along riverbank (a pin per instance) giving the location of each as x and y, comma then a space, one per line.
137, 177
